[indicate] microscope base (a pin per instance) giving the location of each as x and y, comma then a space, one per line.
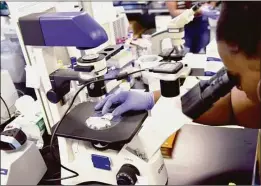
110, 166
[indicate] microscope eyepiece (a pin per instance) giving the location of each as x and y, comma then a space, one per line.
203, 95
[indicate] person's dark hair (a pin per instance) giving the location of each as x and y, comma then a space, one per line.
240, 24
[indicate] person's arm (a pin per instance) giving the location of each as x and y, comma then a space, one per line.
157, 95
233, 109
219, 114
172, 7
246, 113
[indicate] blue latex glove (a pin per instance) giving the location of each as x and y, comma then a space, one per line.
127, 100
112, 73
209, 12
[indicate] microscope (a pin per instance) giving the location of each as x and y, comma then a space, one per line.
176, 32
106, 160
114, 150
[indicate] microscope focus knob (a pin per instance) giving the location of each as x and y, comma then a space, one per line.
127, 175
53, 97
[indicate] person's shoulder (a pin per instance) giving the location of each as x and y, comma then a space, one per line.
246, 112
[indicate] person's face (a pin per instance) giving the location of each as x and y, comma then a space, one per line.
246, 70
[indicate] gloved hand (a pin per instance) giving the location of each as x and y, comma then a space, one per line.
128, 100
209, 12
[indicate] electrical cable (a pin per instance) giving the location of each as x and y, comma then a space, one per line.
120, 76
21, 92
125, 74
6, 107
168, 57
54, 133
15, 114
137, 71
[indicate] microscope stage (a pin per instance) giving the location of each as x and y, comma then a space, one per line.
79, 124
